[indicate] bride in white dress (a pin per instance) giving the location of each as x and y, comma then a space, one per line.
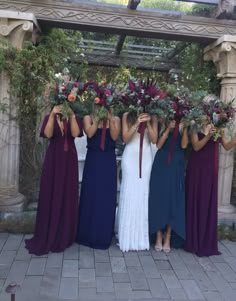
134, 191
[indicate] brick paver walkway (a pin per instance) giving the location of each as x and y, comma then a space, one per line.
81, 273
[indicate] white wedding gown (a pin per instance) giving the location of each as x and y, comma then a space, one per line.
134, 191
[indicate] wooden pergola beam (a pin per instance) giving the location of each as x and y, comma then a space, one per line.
180, 46
119, 20
133, 4
120, 43
132, 56
112, 60
129, 46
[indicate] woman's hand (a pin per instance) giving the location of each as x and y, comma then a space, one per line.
143, 117
210, 130
57, 109
172, 124
182, 125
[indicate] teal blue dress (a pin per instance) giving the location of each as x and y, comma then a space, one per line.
167, 192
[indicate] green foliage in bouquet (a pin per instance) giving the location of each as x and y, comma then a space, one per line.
68, 94
142, 96
101, 98
219, 113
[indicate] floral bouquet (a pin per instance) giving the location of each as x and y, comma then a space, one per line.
221, 114
179, 103
193, 119
141, 96
68, 94
103, 98
175, 106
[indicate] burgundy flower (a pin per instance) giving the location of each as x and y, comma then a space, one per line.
107, 93
132, 85
174, 105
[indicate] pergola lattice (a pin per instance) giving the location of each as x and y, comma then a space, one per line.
127, 21
140, 56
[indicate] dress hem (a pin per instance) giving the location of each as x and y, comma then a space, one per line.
202, 254
92, 246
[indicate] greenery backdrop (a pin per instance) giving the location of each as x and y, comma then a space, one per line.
32, 69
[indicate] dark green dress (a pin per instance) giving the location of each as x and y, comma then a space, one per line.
167, 192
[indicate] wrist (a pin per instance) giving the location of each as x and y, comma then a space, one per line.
52, 114
165, 134
167, 131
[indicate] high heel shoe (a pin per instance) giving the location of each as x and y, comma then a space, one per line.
167, 249
158, 247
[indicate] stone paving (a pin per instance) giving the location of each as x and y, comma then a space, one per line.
81, 273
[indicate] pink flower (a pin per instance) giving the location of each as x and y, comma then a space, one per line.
107, 93
131, 85
174, 106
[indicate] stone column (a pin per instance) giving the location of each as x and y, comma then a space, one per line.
223, 54
14, 29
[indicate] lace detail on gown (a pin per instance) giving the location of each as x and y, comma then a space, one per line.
134, 193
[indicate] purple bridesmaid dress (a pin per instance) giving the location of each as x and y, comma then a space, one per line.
57, 215
201, 200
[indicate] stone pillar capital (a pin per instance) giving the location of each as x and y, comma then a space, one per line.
16, 27
223, 53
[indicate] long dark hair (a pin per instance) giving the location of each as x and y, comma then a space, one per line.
131, 118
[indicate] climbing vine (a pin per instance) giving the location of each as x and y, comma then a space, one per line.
30, 71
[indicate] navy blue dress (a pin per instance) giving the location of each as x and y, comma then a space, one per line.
167, 193
98, 194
